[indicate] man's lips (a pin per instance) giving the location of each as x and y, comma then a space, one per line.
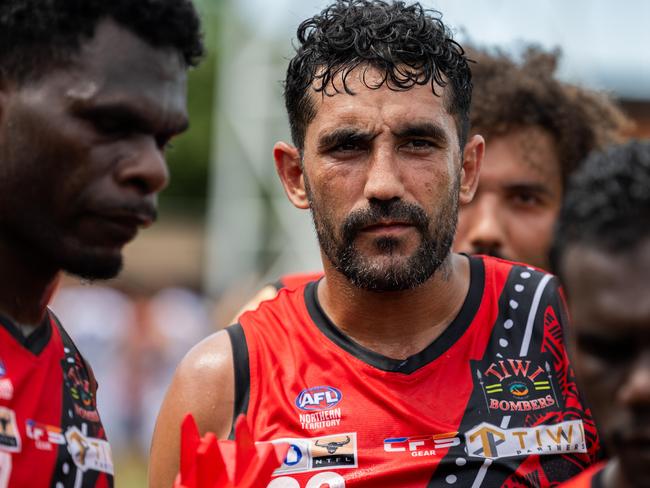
120, 226
388, 227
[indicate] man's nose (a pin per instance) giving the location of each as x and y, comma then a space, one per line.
484, 232
384, 178
145, 167
635, 391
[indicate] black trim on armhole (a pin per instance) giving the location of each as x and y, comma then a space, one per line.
242, 372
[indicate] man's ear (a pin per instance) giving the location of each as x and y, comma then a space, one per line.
289, 168
471, 167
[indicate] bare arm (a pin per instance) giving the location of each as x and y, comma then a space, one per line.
202, 385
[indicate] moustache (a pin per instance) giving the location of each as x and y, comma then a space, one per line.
377, 212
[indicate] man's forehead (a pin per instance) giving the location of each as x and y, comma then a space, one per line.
608, 283
524, 152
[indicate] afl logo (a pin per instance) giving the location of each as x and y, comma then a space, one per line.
318, 398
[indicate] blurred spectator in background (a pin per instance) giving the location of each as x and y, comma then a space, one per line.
602, 254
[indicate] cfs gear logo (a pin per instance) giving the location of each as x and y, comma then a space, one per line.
516, 385
45, 436
318, 398
316, 453
89, 452
427, 445
491, 442
9, 434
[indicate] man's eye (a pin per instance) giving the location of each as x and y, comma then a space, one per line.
110, 126
347, 147
419, 144
526, 199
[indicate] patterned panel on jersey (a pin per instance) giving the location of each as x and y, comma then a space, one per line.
85, 438
518, 411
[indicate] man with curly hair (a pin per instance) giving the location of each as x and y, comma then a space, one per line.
602, 253
537, 130
90, 93
407, 365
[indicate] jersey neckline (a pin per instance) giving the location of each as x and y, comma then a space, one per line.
34, 342
411, 364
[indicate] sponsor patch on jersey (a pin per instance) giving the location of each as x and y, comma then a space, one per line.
318, 398
316, 453
424, 445
89, 452
6, 389
517, 385
9, 433
492, 442
45, 437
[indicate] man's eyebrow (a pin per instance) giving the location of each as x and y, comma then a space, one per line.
132, 117
423, 129
344, 135
539, 188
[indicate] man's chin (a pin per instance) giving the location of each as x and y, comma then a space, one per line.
94, 265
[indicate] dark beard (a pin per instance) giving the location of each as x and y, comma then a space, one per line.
401, 274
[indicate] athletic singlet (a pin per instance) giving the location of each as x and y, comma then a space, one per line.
590, 478
491, 402
50, 431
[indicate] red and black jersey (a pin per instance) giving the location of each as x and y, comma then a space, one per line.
50, 431
491, 402
590, 478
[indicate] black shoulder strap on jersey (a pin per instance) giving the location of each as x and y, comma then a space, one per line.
242, 372
70, 345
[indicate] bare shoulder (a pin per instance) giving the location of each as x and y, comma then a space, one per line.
203, 385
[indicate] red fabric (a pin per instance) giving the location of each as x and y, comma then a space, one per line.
292, 281
585, 479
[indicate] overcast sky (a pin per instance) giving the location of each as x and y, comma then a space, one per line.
605, 44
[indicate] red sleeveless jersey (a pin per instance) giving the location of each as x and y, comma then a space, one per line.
50, 431
491, 402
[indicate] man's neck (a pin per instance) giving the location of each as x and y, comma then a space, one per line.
25, 287
396, 324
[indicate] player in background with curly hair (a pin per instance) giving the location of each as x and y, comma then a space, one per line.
91, 91
602, 254
407, 365
537, 130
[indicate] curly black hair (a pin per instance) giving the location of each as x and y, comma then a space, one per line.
607, 203
38, 35
510, 95
408, 43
